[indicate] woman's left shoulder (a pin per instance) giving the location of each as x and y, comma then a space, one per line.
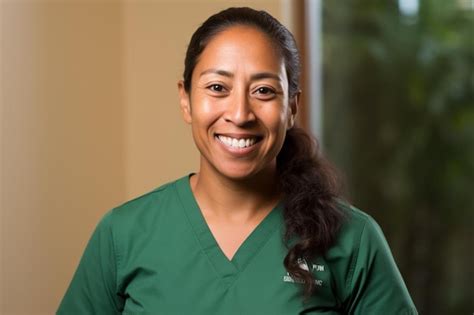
368, 279
356, 221
359, 233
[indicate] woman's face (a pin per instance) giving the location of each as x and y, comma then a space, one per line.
238, 106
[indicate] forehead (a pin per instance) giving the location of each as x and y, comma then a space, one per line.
239, 46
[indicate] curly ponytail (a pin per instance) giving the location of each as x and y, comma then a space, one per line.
310, 188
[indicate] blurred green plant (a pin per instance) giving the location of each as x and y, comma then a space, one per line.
399, 122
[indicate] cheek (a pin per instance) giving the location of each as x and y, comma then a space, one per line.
204, 107
203, 111
276, 119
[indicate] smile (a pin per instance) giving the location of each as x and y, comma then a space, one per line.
237, 143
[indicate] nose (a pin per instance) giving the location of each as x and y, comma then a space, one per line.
239, 110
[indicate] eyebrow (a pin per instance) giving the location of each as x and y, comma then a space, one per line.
217, 71
254, 77
265, 75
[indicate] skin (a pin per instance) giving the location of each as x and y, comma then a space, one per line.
239, 89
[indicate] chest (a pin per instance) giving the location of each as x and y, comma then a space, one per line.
180, 271
230, 237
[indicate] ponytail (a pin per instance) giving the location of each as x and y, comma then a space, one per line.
310, 188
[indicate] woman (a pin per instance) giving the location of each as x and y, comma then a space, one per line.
259, 229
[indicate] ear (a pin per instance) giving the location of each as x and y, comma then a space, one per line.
184, 102
294, 103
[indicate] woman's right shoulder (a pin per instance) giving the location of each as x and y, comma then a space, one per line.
145, 211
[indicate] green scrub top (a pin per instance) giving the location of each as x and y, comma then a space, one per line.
156, 255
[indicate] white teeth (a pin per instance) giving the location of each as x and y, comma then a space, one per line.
237, 143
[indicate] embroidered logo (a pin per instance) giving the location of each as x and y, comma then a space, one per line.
303, 264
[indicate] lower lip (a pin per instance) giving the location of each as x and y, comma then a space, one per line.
237, 151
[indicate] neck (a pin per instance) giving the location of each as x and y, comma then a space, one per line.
229, 199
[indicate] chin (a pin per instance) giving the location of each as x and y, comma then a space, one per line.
235, 172
241, 173
238, 170
238, 175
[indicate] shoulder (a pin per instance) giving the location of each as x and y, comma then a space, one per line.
367, 268
144, 211
356, 223
358, 232
131, 225
360, 237
144, 203
349, 238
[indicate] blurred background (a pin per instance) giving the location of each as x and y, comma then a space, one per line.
90, 118
398, 105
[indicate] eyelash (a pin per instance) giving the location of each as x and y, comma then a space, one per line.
262, 91
220, 87
266, 89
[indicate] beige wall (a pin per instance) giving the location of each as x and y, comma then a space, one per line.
1, 166
89, 119
62, 142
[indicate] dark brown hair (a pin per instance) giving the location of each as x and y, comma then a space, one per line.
307, 180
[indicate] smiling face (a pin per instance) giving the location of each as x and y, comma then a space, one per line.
238, 105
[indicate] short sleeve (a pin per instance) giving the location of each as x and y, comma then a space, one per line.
93, 287
376, 284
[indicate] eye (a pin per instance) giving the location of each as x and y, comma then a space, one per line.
216, 88
265, 92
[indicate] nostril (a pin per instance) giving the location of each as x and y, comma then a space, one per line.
240, 114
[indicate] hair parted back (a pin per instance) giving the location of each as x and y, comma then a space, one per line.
282, 39
308, 182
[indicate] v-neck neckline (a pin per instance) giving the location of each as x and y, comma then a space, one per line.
248, 249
